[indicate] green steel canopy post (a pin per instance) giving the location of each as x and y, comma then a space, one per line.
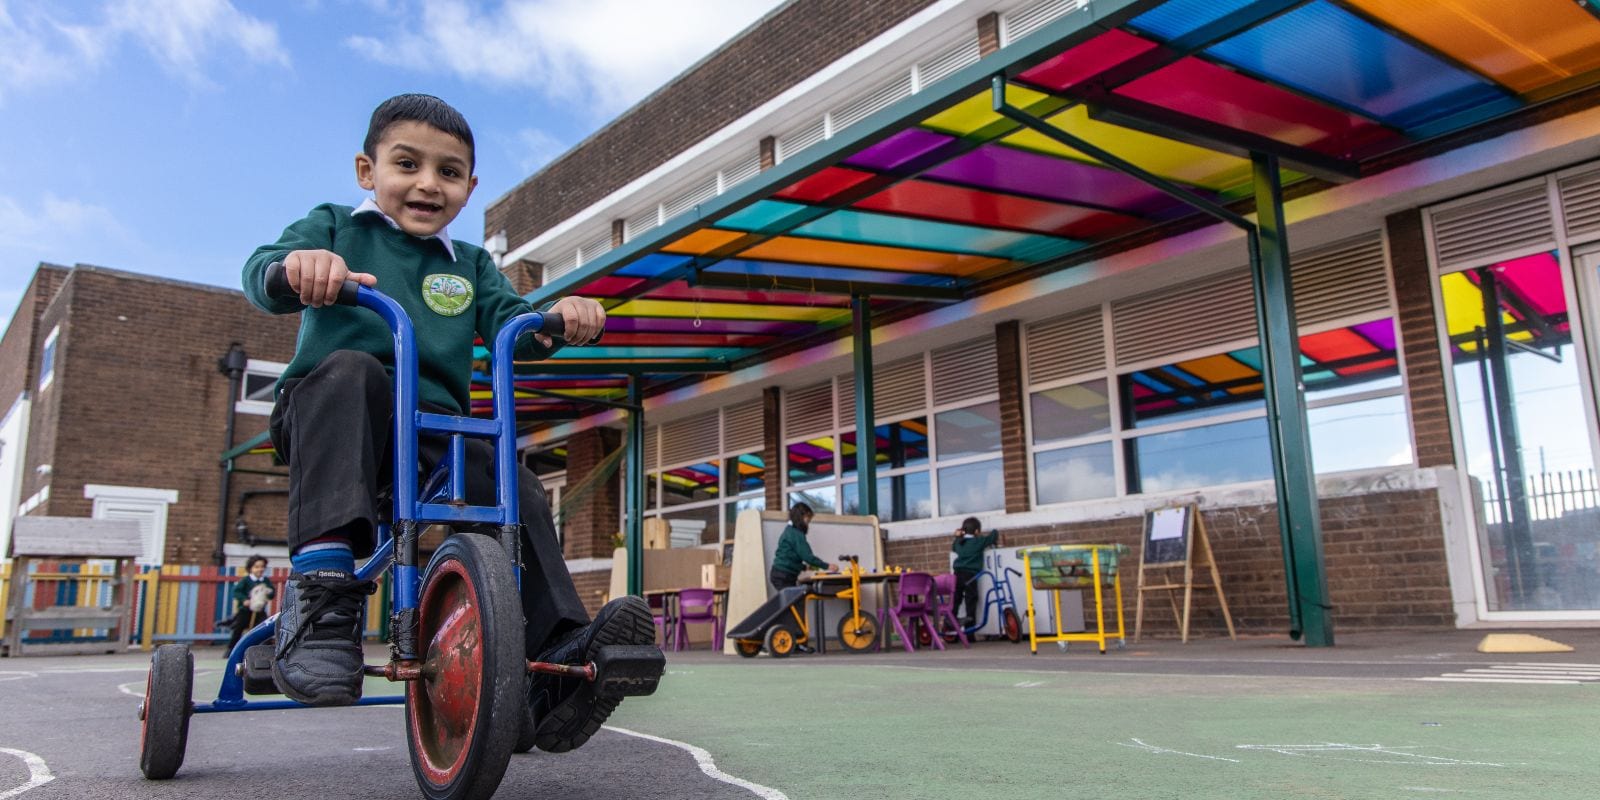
866, 429
633, 487
1287, 429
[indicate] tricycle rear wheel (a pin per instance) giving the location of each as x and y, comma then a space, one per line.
164, 715
465, 717
1011, 625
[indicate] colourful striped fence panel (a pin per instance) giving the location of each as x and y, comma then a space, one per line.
186, 603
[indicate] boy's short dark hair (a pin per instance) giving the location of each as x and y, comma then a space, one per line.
971, 525
423, 108
251, 561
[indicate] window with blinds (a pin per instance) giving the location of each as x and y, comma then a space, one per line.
693, 439
741, 427
1580, 204
964, 372
899, 388
808, 411
1514, 221
1065, 346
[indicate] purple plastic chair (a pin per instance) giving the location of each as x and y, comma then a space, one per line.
915, 602
658, 611
944, 604
696, 605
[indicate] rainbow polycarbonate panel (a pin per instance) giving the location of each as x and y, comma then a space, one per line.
1524, 45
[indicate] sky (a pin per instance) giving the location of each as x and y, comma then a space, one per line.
174, 137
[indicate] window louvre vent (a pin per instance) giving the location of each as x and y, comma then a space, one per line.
808, 411
639, 224
1515, 221
863, 106
964, 371
947, 63
560, 266
691, 440
1065, 346
1191, 316
703, 191
739, 173
594, 249
1580, 203
652, 449
741, 427
1340, 280
1026, 20
796, 141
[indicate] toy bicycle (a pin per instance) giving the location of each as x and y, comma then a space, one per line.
456, 626
779, 625
998, 597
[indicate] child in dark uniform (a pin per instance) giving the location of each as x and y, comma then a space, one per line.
968, 547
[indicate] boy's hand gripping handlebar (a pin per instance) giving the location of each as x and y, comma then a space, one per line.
276, 284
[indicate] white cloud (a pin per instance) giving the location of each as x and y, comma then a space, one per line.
613, 52
535, 148
38, 50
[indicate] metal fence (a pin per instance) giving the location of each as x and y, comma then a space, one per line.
1550, 495
171, 603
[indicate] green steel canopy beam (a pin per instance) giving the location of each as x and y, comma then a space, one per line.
595, 401
634, 487
866, 426
643, 368
1288, 432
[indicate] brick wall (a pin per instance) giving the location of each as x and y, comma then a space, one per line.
22, 336
592, 588
591, 523
1419, 340
138, 401
1013, 434
1384, 555
789, 46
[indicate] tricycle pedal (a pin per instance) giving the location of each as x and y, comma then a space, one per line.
628, 670
256, 670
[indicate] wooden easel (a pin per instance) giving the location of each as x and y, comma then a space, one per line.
1169, 543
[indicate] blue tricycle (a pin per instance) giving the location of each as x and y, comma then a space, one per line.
456, 627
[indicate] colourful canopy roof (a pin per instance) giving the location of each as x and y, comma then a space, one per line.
938, 197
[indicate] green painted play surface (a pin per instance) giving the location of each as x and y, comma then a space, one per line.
831, 729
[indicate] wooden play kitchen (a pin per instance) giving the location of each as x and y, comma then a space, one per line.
100, 624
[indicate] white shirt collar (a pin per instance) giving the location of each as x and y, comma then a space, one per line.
370, 205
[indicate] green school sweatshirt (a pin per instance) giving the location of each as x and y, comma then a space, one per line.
448, 301
793, 552
969, 551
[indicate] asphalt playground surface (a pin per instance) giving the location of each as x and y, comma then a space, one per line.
1377, 716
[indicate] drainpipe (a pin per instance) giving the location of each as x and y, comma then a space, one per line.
232, 365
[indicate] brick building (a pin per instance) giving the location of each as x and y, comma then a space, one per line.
1454, 449
116, 406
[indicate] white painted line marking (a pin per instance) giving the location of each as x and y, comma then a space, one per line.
708, 766
136, 691
1029, 684
1140, 745
1557, 664
1530, 673
1474, 679
86, 670
1398, 754
16, 675
38, 772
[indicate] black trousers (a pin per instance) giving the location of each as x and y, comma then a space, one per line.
333, 427
966, 592
782, 580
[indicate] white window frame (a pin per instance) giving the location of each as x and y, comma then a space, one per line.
261, 369
48, 358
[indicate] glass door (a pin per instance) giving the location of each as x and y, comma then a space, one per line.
1522, 409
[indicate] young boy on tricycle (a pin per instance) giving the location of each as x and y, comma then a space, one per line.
332, 419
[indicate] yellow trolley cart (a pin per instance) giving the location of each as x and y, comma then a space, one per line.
1059, 567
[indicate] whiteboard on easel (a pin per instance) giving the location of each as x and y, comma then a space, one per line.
1166, 535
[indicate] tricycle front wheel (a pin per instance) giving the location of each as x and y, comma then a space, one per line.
164, 715
463, 719
859, 632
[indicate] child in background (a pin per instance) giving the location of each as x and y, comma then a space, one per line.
250, 596
968, 547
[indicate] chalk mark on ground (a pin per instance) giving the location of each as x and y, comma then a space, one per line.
38, 772
703, 758
1397, 755
1139, 744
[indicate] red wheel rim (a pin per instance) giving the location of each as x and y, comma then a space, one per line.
444, 706
144, 718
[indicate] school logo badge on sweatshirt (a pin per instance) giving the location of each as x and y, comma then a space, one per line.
448, 295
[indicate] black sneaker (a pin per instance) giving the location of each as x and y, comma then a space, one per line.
568, 710
318, 657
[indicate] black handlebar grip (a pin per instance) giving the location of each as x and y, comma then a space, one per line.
554, 326
276, 284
